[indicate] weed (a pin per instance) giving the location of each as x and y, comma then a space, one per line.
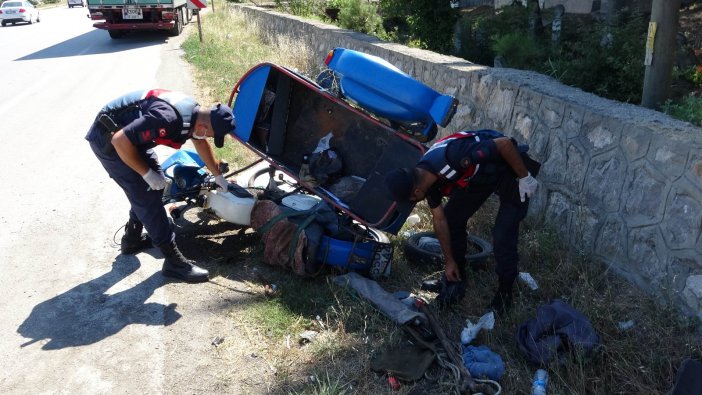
322, 384
688, 109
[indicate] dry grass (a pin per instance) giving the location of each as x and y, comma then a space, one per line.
640, 360
231, 45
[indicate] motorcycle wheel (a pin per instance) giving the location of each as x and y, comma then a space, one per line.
478, 250
261, 178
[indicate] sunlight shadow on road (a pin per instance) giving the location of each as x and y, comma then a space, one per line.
85, 314
97, 42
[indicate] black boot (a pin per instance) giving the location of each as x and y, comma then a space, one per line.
502, 301
178, 266
133, 240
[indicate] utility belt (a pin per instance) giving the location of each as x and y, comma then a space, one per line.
107, 127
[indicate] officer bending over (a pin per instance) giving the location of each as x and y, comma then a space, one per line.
123, 136
468, 167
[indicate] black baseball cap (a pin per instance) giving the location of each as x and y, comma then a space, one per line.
223, 123
400, 184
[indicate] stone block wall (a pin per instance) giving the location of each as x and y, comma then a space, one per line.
619, 181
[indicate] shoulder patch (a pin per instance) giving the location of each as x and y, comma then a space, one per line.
161, 132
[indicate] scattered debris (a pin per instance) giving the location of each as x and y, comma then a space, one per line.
487, 321
528, 280
217, 341
270, 290
625, 325
320, 322
394, 383
308, 336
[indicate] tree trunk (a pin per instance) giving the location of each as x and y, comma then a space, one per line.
659, 72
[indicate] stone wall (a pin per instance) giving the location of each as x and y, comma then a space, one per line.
619, 181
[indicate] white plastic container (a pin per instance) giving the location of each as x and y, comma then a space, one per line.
230, 207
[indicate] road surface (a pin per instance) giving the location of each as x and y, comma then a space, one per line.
77, 317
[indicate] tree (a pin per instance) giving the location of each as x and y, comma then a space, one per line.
661, 40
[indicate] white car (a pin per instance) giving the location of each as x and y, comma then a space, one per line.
18, 11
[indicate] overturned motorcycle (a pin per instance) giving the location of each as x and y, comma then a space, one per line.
329, 143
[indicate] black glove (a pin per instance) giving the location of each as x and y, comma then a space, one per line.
451, 292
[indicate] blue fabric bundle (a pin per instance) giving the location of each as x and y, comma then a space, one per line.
483, 362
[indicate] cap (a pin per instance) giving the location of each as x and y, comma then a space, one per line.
400, 183
223, 123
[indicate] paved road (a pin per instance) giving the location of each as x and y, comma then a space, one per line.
77, 317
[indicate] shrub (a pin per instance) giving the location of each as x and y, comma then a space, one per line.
303, 8
521, 51
689, 109
430, 23
602, 60
692, 74
479, 30
361, 16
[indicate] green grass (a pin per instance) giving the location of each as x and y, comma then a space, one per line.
230, 47
688, 109
641, 360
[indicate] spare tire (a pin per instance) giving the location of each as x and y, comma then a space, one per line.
420, 249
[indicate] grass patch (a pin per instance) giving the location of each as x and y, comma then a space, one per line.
350, 331
231, 46
688, 109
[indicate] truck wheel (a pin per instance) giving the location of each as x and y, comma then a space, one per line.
478, 250
178, 27
116, 34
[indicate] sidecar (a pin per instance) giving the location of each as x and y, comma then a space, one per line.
369, 113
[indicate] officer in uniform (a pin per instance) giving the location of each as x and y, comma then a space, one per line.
468, 167
123, 136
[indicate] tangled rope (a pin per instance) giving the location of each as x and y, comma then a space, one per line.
451, 376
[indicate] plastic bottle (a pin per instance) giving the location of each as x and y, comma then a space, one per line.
538, 386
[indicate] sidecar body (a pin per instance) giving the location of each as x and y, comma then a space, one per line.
283, 116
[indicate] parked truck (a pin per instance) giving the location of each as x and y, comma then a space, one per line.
119, 17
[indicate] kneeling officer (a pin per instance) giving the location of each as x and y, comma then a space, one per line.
123, 136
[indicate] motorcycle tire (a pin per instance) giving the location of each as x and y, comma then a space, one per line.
261, 178
422, 256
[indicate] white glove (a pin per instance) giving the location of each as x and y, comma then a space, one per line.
527, 186
156, 180
222, 182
